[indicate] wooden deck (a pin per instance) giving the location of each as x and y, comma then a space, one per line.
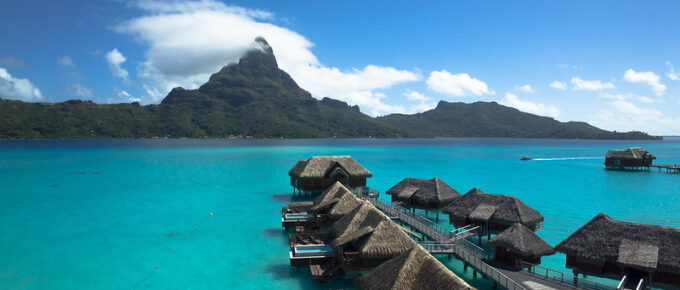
670, 168
456, 244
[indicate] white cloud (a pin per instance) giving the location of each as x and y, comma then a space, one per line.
526, 89
456, 85
671, 72
625, 116
647, 77
114, 59
613, 96
629, 108
356, 87
81, 91
18, 89
65, 61
188, 41
530, 107
628, 97
415, 96
596, 85
645, 99
423, 104
126, 96
558, 85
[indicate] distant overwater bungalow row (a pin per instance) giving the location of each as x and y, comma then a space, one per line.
343, 230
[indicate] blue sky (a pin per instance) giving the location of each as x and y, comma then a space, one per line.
610, 63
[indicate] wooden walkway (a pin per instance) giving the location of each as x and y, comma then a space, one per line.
670, 168
456, 244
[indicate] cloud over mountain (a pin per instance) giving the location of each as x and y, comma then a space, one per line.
188, 41
18, 89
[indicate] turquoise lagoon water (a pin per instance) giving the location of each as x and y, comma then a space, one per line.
137, 213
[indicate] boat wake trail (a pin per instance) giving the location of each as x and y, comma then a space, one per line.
565, 158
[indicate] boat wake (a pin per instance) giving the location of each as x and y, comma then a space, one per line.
565, 158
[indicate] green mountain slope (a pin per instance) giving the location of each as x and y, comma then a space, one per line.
489, 119
255, 98
251, 98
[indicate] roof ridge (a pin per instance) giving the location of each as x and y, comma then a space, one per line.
581, 229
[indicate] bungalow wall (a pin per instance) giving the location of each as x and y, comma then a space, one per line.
627, 162
508, 256
613, 271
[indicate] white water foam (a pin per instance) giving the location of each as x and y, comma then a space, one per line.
565, 158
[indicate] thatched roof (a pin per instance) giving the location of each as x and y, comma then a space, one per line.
371, 232
633, 245
364, 215
383, 241
338, 207
636, 254
414, 269
386, 241
335, 190
344, 206
483, 212
630, 153
322, 166
341, 241
522, 241
431, 193
508, 209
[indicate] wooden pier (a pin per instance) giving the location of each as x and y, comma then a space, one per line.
669, 168
455, 243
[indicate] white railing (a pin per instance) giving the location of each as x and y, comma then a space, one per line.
623, 282
563, 277
640, 284
439, 233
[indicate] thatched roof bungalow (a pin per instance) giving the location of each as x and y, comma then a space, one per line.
519, 244
320, 172
364, 215
427, 194
631, 158
330, 211
414, 269
366, 238
334, 191
609, 248
497, 212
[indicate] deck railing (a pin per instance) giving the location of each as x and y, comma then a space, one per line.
459, 248
563, 277
402, 213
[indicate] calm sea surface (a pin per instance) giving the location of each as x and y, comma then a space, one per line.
137, 213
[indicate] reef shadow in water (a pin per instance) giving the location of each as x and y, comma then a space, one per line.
282, 197
274, 232
280, 271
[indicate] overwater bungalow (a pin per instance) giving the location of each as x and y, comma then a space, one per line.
519, 244
634, 158
414, 269
364, 215
494, 211
330, 211
320, 172
333, 191
366, 237
428, 194
310, 249
635, 254
301, 214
